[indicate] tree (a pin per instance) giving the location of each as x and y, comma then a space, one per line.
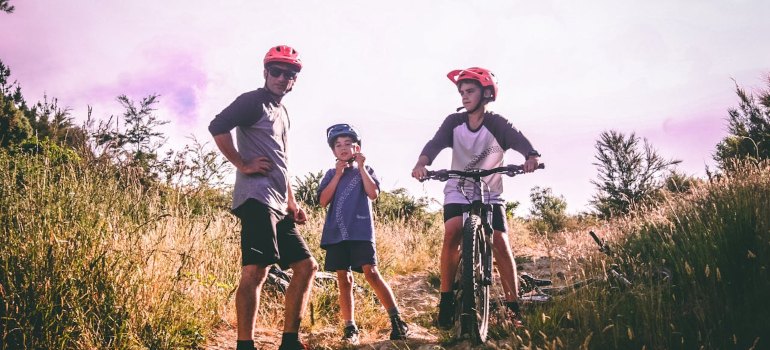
399, 204
5, 6
510, 208
14, 126
306, 190
138, 143
548, 208
677, 182
628, 176
748, 128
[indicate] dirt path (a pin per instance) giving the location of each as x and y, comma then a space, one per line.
417, 299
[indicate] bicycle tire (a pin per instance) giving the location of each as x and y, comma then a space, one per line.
474, 299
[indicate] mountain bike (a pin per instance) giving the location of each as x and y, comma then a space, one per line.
474, 274
532, 289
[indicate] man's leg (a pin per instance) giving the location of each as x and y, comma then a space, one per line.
506, 265
247, 299
298, 293
450, 252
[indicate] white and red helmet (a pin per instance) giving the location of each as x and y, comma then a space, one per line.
485, 77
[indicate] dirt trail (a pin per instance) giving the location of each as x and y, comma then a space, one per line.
417, 300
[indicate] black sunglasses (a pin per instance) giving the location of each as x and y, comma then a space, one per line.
276, 72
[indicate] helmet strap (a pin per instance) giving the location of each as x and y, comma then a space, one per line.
481, 103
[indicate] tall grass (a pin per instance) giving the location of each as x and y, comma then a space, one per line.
94, 257
716, 243
91, 258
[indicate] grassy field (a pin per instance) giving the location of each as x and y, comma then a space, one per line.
92, 257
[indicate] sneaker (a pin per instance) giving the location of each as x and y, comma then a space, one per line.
294, 346
350, 335
446, 314
400, 329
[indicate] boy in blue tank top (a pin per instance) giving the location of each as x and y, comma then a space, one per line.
348, 233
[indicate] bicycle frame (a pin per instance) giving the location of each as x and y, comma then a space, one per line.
483, 210
474, 307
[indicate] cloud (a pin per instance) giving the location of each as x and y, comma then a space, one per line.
177, 76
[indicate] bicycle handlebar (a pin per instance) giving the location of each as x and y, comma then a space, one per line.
444, 174
603, 246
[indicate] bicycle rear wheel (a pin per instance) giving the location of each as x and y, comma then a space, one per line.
474, 291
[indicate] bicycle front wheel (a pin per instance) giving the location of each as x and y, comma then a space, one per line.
474, 299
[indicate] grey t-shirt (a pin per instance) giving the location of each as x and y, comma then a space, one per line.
261, 127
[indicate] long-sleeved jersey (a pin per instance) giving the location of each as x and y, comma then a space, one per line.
476, 149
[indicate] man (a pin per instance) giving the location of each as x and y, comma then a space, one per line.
263, 198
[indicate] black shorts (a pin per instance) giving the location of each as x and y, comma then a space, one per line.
269, 237
498, 215
350, 255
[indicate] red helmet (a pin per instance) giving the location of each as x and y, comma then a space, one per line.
283, 54
483, 76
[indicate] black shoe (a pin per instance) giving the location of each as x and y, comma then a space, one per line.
400, 329
294, 346
350, 335
446, 314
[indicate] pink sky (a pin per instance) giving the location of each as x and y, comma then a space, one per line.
568, 71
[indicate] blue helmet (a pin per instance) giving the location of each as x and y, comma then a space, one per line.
341, 130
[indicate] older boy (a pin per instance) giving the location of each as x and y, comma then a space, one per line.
348, 234
478, 139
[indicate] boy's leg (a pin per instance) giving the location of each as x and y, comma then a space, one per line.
381, 288
450, 252
347, 308
506, 265
247, 299
385, 295
450, 258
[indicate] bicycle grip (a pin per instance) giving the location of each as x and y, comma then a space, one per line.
598, 241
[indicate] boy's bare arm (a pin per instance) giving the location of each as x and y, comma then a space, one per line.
328, 193
369, 186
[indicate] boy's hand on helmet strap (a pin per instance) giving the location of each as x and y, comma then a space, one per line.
360, 159
340, 166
